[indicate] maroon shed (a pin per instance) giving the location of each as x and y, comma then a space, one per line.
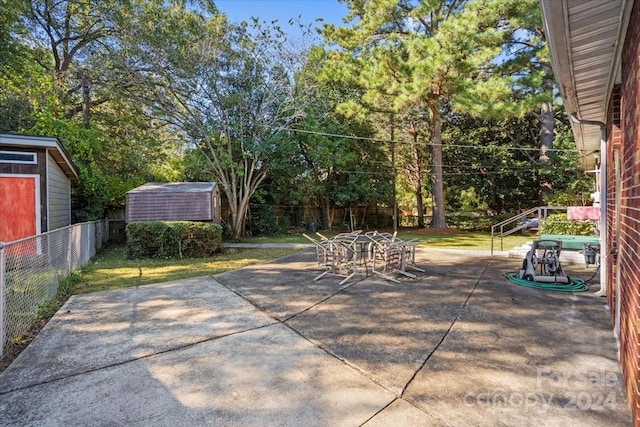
175, 201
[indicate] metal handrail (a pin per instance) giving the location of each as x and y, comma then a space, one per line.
519, 216
542, 212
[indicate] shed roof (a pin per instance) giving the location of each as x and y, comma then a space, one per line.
174, 187
52, 144
585, 39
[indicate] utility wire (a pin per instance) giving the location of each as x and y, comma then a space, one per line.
363, 138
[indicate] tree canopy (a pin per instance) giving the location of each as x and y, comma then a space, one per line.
448, 92
413, 57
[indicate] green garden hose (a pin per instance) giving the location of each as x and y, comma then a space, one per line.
575, 285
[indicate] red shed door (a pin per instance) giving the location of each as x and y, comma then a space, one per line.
19, 207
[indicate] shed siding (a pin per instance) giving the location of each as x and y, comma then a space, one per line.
169, 207
15, 168
59, 196
628, 257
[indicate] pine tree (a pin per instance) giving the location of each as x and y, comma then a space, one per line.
415, 57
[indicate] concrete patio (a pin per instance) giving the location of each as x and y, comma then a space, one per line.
268, 346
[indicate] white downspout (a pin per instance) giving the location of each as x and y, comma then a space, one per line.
604, 250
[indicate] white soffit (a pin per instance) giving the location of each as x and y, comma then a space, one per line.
585, 39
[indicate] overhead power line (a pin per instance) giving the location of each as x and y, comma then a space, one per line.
389, 141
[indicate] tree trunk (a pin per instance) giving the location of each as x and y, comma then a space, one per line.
86, 98
238, 191
418, 184
437, 184
329, 213
352, 221
394, 215
232, 199
238, 219
420, 206
547, 122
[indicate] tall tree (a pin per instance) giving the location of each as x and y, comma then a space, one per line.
84, 40
413, 157
74, 51
423, 54
528, 57
15, 70
339, 166
496, 161
10, 12
226, 89
70, 31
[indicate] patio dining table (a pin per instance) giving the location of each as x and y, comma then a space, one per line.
347, 253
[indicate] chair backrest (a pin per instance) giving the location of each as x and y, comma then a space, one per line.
389, 236
347, 236
314, 241
323, 238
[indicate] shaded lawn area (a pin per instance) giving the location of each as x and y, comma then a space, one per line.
110, 269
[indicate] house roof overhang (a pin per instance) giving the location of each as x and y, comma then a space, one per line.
52, 145
585, 39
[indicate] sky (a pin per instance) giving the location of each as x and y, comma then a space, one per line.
331, 11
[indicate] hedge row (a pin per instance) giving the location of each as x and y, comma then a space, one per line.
559, 224
172, 239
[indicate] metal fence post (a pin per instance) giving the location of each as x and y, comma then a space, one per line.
3, 324
69, 257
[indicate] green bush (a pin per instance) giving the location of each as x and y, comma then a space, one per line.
376, 221
172, 239
264, 221
559, 224
469, 221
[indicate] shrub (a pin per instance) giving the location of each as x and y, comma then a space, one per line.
559, 224
469, 221
172, 239
264, 221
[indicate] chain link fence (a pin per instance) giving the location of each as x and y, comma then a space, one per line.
32, 268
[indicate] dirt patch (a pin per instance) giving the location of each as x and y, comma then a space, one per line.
20, 344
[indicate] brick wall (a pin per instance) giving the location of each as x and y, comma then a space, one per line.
629, 250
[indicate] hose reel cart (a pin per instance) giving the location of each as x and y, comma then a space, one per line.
542, 269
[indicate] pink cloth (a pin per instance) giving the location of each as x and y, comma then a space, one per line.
581, 213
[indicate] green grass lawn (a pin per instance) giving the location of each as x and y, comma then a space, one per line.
450, 238
110, 269
468, 240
